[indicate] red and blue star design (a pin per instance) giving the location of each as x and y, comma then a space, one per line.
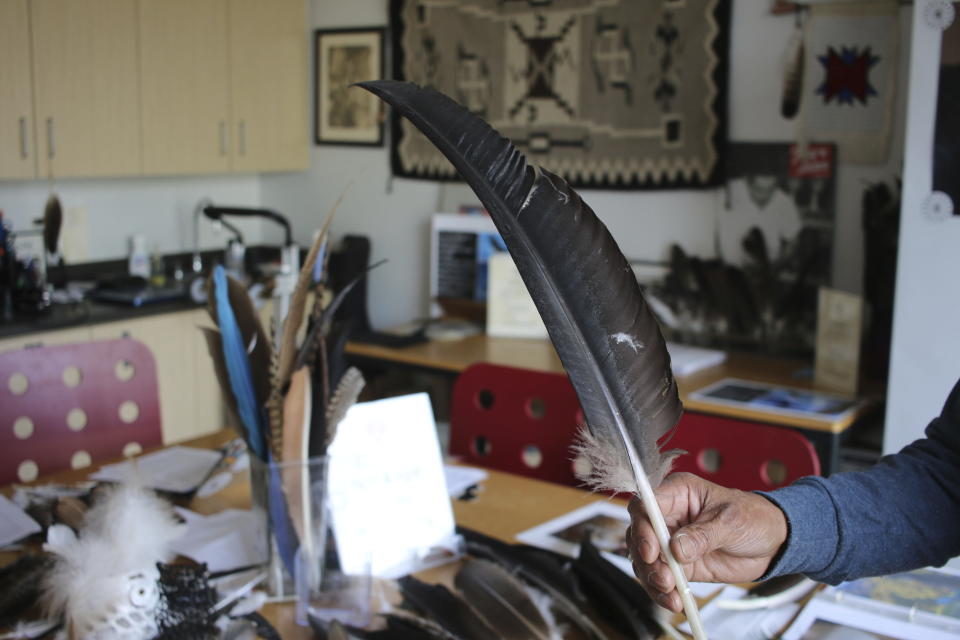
847, 75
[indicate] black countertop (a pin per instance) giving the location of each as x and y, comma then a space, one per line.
88, 312
91, 312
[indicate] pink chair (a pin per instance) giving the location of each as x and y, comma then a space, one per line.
523, 421
67, 406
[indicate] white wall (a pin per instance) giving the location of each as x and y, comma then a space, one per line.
159, 208
925, 356
395, 213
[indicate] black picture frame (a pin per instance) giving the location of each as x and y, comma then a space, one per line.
343, 114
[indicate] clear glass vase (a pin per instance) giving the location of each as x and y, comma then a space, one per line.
291, 501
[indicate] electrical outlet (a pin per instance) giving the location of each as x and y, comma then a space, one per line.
74, 236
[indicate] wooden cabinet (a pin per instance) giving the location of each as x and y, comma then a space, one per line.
17, 149
94, 88
223, 85
184, 86
85, 78
268, 79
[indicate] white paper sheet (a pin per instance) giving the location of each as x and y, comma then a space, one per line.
174, 469
227, 540
14, 522
755, 624
459, 479
388, 498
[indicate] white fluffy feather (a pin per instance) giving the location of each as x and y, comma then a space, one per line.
608, 468
125, 533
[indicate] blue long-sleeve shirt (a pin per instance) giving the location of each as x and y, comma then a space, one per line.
901, 514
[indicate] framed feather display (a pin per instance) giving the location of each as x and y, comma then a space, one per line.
626, 94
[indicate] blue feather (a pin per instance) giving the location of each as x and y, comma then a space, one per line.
238, 367
282, 527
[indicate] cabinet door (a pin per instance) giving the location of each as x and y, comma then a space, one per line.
184, 86
17, 150
85, 79
268, 82
209, 415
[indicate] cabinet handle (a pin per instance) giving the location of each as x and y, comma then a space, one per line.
23, 138
242, 137
51, 143
223, 138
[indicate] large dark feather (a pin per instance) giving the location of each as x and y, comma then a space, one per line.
446, 608
607, 338
616, 596
502, 601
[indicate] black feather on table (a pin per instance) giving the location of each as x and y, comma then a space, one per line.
617, 597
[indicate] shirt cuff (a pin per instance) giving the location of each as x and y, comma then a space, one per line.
812, 532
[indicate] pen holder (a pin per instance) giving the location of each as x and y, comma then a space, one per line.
303, 565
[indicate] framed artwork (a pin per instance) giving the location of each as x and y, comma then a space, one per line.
344, 114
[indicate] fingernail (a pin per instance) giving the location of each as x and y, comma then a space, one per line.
653, 578
680, 539
644, 549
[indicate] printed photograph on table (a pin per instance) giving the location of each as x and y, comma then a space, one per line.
922, 604
785, 400
605, 522
344, 114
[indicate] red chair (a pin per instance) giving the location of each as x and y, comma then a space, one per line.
516, 420
67, 406
745, 455
523, 421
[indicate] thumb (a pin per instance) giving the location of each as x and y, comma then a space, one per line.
692, 542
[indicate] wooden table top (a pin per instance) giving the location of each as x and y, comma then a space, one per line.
504, 506
453, 356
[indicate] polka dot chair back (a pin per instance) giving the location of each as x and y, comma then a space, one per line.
66, 407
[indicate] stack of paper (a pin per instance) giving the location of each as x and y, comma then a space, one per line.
175, 469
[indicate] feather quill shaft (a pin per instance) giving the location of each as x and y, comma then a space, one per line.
607, 339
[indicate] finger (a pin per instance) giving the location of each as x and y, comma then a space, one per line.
660, 577
670, 601
643, 543
692, 542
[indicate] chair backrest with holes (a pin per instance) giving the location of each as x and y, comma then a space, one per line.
516, 420
523, 421
745, 455
66, 406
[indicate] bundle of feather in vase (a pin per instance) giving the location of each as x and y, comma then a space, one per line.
285, 395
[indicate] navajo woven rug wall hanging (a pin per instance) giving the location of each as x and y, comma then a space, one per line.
606, 93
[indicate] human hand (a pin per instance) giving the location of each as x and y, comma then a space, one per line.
717, 534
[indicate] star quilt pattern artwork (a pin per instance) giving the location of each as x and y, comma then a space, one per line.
851, 63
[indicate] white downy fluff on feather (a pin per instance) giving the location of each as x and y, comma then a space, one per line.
109, 570
608, 468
